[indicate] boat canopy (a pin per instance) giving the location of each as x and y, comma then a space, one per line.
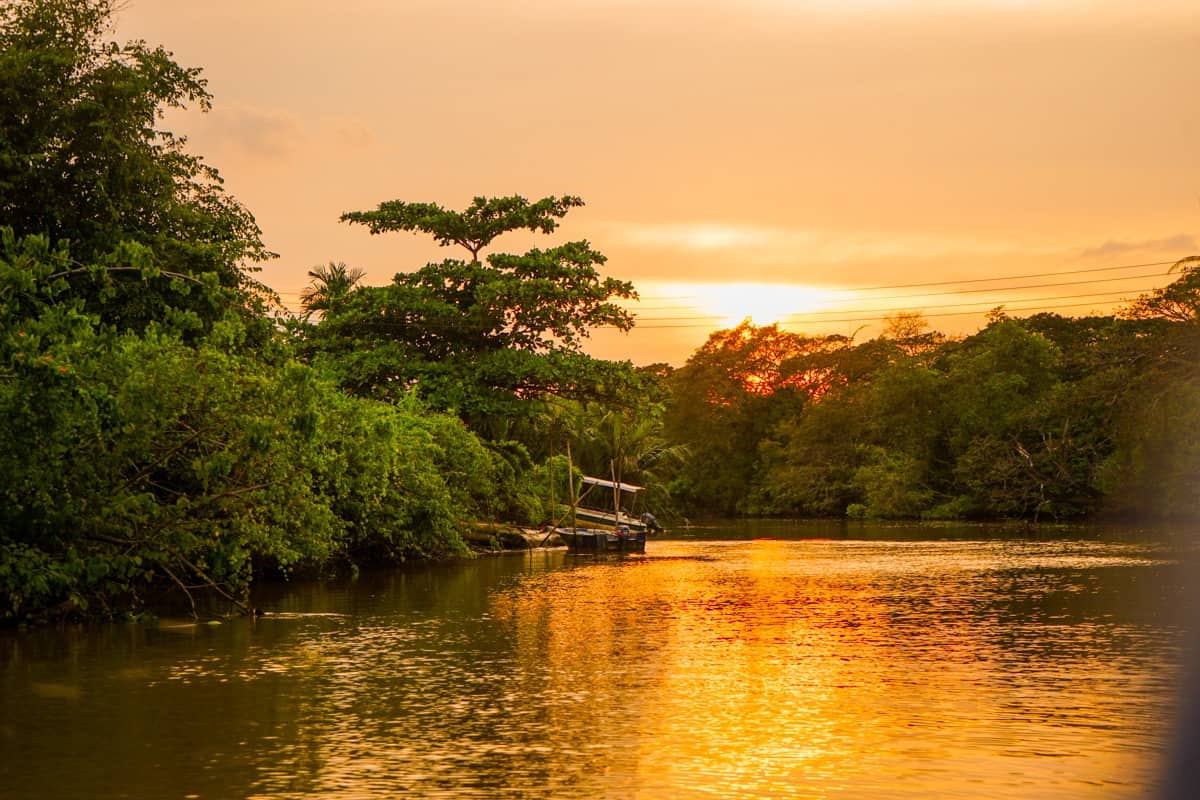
624, 487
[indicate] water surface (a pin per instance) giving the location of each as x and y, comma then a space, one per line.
783, 660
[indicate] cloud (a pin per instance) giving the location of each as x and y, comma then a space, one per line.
1179, 245
794, 244
274, 135
352, 133
260, 133
696, 235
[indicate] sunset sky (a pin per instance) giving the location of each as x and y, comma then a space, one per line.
792, 160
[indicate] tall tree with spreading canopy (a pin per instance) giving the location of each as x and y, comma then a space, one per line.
84, 159
473, 228
480, 336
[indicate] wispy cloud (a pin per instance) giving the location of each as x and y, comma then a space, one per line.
699, 235
352, 132
800, 244
263, 133
275, 134
1179, 245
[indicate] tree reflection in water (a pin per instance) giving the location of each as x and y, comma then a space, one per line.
955, 667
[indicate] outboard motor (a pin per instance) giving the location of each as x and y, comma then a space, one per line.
651, 523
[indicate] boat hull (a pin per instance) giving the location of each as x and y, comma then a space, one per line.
608, 518
595, 540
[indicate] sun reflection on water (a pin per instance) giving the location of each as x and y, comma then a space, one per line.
763, 668
824, 666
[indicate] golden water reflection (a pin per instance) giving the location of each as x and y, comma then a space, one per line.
753, 668
770, 668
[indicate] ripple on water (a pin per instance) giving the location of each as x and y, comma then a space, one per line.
766, 668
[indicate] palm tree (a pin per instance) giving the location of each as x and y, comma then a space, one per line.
625, 444
330, 285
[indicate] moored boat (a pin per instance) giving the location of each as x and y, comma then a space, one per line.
618, 511
619, 531
599, 540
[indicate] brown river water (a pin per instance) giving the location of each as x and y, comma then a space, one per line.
785, 659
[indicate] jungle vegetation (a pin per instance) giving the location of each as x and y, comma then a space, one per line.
169, 433
1042, 418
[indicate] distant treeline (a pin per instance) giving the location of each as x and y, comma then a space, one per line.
1042, 418
168, 430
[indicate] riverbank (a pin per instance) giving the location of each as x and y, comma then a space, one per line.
486, 537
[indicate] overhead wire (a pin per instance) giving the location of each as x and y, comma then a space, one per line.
701, 320
867, 315
875, 314
1019, 277
951, 282
878, 317
931, 295
1105, 296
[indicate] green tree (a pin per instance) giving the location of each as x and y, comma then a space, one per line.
480, 338
868, 399
1155, 466
911, 333
83, 159
728, 397
156, 433
134, 462
1178, 301
809, 460
626, 442
474, 227
1032, 420
1041, 417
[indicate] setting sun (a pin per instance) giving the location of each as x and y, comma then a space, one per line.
763, 303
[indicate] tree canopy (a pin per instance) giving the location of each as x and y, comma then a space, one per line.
480, 337
329, 285
474, 227
84, 160
159, 439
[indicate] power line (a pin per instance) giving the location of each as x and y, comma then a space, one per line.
872, 315
706, 320
1026, 286
953, 282
935, 294
967, 291
1021, 277
950, 284
879, 317
1110, 295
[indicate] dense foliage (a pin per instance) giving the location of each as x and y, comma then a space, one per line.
1044, 417
134, 460
83, 159
158, 435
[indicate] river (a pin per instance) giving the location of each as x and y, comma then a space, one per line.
814, 660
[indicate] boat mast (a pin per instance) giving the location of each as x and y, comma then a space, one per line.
571, 483
612, 467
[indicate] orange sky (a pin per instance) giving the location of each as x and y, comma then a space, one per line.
799, 149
